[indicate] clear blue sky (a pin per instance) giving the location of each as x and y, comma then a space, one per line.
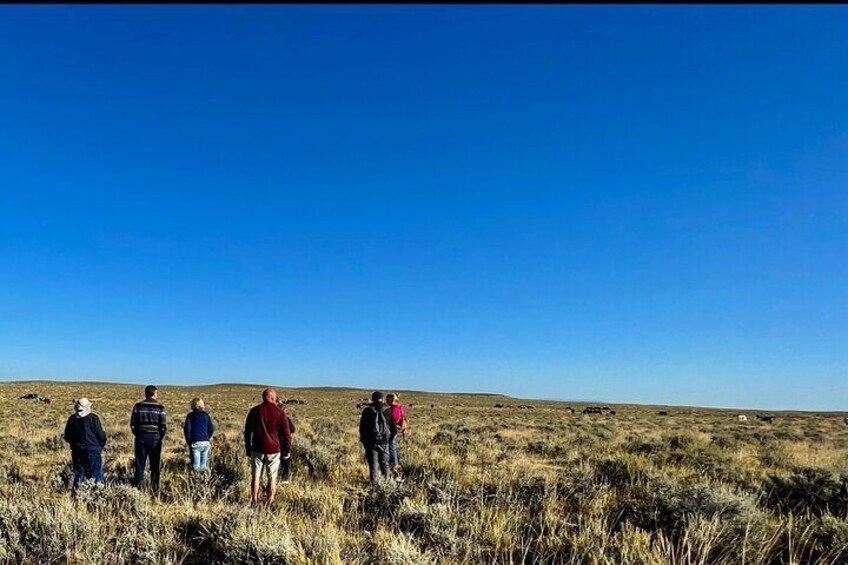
633, 204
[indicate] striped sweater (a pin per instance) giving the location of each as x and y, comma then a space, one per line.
148, 418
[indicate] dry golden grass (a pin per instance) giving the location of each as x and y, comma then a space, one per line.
484, 485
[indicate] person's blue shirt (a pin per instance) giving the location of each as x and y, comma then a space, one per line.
198, 426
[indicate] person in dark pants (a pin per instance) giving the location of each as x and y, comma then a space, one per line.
86, 437
287, 463
376, 430
148, 425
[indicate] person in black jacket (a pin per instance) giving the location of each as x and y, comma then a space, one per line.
148, 425
86, 437
376, 430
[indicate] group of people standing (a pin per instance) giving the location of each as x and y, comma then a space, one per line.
267, 439
148, 423
380, 425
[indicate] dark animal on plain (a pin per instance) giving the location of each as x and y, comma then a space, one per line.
570, 410
765, 419
37, 397
499, 405
611, 412
432, 406
606, 408
663, 413
294, 401
592, 410
846, 421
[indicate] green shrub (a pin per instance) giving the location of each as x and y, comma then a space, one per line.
382, 503
319, 460
808, 490
114, 501
253, 537
200, 532
431, 524
661, 505
40, 531
617, 473
54, 443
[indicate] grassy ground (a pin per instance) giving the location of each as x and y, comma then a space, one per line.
485, 485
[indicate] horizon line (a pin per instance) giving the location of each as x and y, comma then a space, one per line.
496, 394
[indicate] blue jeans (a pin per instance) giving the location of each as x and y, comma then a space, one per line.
200, 455
394, 459
87, 464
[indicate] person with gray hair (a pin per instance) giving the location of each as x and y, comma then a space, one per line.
85, 434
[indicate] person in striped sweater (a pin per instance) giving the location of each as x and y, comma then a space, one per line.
148, 424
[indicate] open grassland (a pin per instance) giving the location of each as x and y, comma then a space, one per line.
484, 485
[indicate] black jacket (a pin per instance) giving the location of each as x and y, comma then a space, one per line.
367, 424
85, 432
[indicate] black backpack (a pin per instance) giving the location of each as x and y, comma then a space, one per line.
381, 433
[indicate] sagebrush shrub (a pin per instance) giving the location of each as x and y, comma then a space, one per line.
383, 502
37, 531
657, 504
319, 460
807, 490
431, 524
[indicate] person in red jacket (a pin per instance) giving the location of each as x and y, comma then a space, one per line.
267, 440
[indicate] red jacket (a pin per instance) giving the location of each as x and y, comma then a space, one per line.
266, 430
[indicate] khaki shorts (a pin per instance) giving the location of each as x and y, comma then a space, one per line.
260, 461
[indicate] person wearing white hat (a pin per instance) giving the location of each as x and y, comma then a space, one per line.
87, 438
